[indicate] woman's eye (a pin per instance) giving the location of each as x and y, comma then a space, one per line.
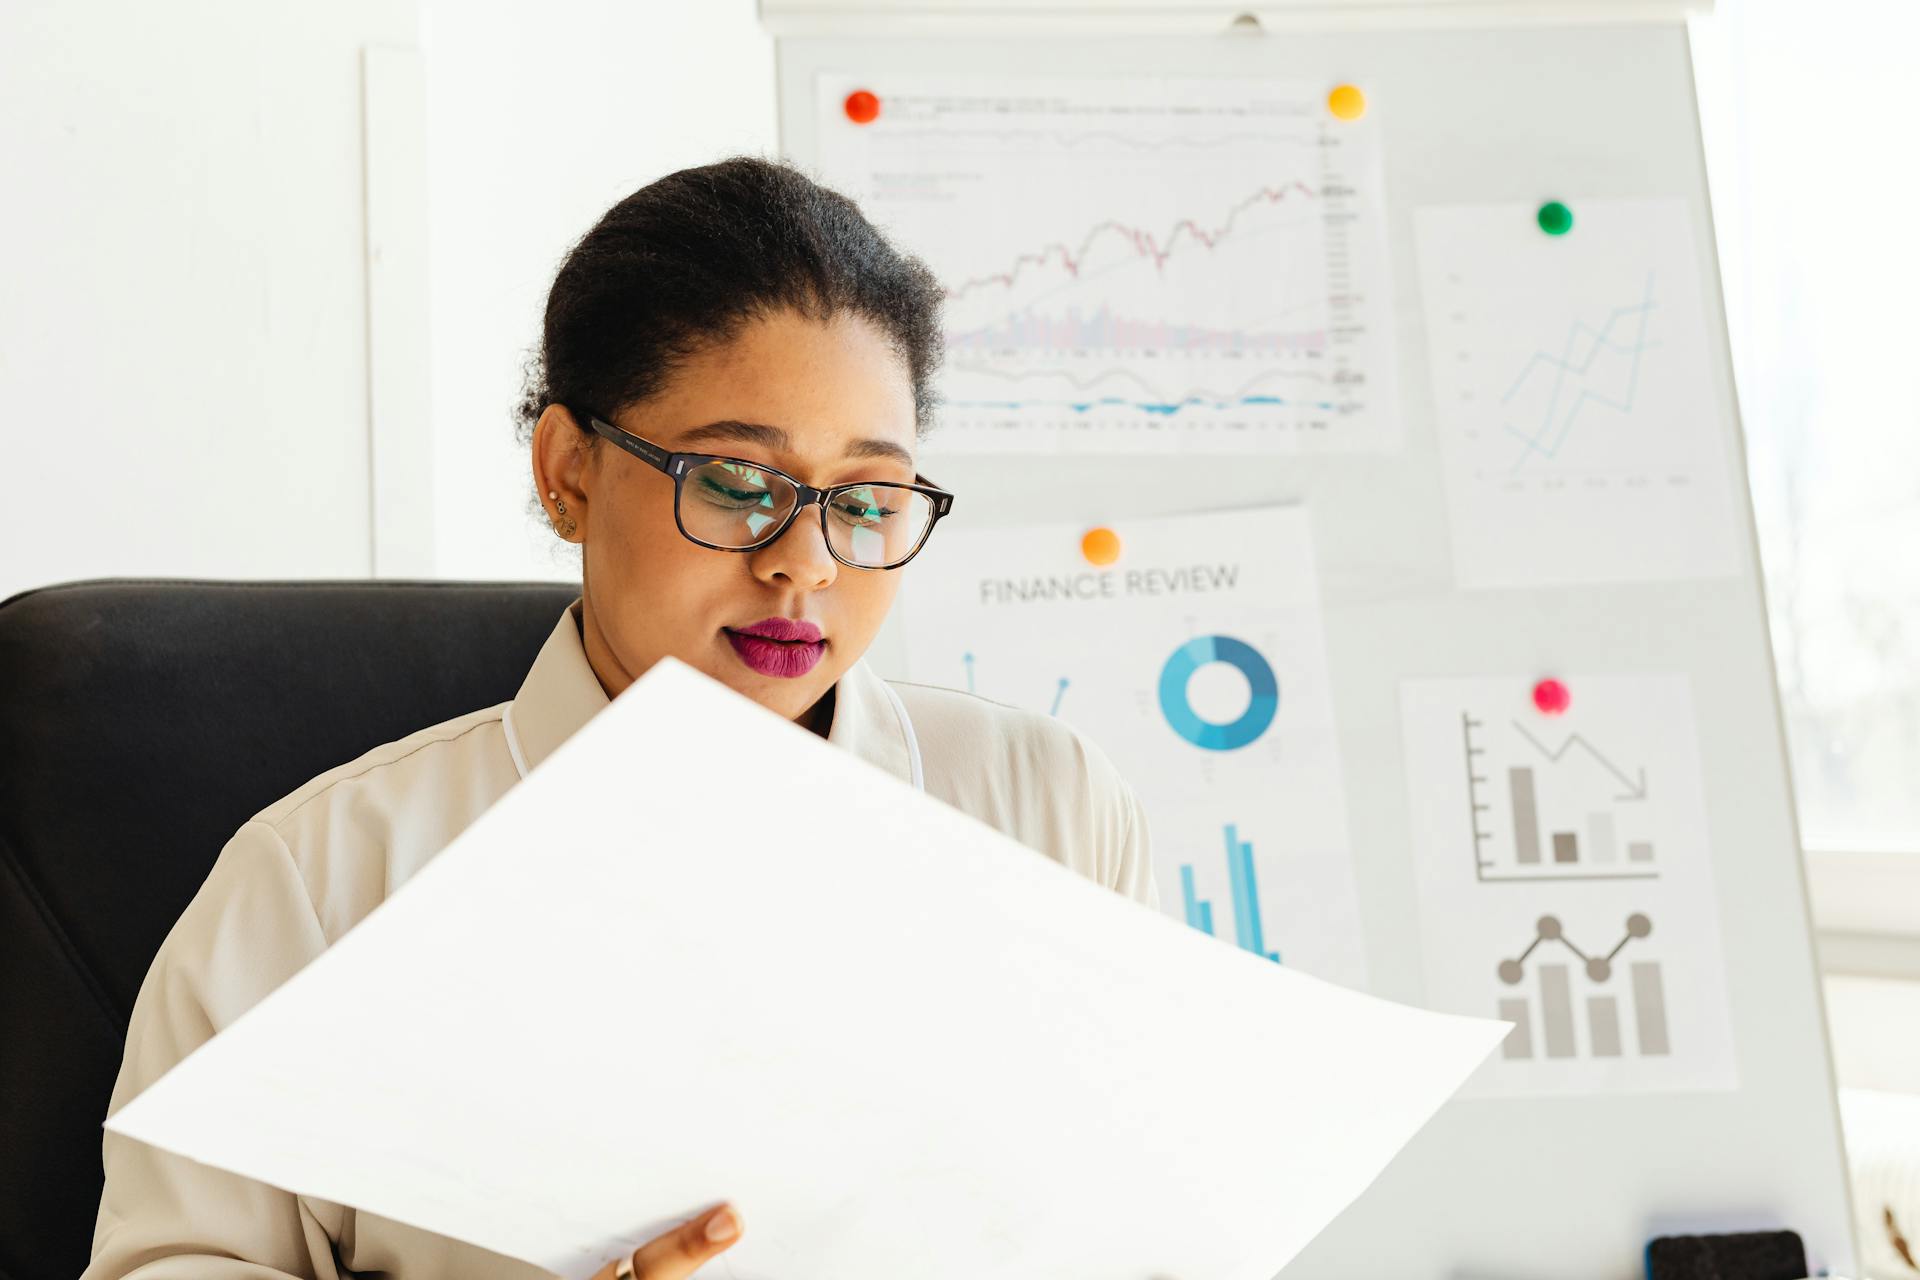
714, 491
864, 512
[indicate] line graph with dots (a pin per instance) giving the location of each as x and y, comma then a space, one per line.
1554, 1022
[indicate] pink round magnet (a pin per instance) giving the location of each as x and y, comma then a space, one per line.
1551, 697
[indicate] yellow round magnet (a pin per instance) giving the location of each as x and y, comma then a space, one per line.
1347, 102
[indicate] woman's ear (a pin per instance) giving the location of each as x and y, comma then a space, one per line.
560, 470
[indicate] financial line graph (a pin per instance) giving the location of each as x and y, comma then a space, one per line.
1143, 243
1034, 329
1214, 239
1295, 320
1579, 396
1160, 407
1107, 330
1545, 439
1132, 376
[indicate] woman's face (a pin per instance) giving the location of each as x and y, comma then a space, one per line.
825, 403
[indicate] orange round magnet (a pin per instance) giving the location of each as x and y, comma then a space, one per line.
862, 107
1100, 546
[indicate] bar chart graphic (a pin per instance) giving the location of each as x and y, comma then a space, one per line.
1546, 1021
1515, 839
1566, 881
1244, 885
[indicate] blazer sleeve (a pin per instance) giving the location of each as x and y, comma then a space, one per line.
163, 1217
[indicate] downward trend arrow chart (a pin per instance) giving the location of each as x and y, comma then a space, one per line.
1636, 786
1559, 825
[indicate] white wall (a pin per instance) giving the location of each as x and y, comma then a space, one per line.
540, 118
183, 276
182, 316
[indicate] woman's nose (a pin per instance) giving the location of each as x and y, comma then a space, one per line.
798, 556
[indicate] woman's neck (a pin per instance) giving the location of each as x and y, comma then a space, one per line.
819, 717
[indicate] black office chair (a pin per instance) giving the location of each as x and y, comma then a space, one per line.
141, 723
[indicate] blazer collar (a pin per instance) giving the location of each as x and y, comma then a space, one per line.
561, 693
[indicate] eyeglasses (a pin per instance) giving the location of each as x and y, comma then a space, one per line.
730, 504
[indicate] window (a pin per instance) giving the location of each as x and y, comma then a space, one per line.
1810, 115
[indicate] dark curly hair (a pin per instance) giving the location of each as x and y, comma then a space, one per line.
685, 262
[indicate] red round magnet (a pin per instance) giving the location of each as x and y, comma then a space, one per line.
862, 107
1551, 697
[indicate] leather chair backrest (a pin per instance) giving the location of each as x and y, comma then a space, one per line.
141, 723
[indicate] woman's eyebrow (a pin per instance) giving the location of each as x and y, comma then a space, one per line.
730, 430
877, 448
734, 431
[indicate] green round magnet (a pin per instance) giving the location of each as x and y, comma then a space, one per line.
1555, 218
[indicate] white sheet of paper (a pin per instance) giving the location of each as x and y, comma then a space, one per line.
700, 954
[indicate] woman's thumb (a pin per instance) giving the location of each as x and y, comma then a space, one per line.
678, 1253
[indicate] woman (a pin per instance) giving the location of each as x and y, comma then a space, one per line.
733, 377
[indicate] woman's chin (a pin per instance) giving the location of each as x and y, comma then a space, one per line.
789, 697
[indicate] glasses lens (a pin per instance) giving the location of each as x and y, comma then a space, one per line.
877, 525
732, 504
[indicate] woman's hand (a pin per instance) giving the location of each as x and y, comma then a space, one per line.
679, 1253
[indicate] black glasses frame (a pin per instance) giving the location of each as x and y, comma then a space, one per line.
677, 465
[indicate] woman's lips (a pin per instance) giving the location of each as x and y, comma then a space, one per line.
781, 647
795, 629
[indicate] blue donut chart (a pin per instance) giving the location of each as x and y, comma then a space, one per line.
1197, 653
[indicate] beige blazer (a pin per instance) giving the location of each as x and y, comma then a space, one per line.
304, 870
